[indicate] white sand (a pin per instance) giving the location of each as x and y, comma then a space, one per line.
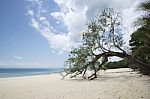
113, 84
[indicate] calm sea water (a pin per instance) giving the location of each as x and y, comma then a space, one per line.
27, 72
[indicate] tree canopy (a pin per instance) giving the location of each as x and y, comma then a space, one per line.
140, 39
102, 39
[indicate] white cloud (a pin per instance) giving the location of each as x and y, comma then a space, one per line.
59, 42
74, 15
17, 57
30, 12
42, 18
34, 24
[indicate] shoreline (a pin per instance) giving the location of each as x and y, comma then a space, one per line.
112, 84
21, 72
28, 76
44, 74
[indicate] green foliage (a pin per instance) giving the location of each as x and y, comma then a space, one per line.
77, 59
140, 39
144, 20
102, 36
116, 64
103, 39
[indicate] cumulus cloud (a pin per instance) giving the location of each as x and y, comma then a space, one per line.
62, 28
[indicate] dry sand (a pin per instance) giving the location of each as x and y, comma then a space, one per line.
112, 84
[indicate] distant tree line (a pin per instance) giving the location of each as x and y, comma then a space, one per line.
116, 64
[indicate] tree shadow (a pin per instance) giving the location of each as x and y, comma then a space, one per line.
108, 76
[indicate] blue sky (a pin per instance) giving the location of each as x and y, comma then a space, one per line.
20, 44
40, 33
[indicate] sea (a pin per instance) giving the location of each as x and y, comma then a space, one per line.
18, 72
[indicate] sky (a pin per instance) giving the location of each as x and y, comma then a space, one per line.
40, 33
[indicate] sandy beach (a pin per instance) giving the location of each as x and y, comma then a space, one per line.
112, 84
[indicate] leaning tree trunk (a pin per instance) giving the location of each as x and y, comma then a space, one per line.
144, 67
